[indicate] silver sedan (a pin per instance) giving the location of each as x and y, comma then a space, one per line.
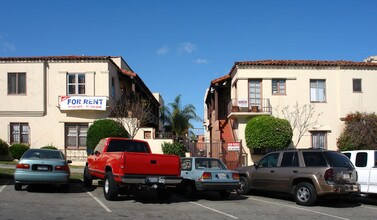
42, 166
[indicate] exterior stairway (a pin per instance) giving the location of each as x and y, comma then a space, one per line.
230, 158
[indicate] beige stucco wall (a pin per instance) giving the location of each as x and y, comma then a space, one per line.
340, 98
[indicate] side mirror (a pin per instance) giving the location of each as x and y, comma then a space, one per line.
69, 161
97, 153
256, 165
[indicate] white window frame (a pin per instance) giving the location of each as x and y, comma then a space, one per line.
317, 90
16, 86
76, 84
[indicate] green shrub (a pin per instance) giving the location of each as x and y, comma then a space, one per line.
4, 148
52, 147
102, 129
268, 132
17, 150
175, 149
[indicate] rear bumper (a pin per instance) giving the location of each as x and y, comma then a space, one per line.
340, 189
41, 177
217, 186
151, 180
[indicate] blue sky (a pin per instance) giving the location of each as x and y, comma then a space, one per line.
178, 47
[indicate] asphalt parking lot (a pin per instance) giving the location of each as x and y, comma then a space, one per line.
47, 202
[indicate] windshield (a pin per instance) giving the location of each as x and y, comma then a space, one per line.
209, 163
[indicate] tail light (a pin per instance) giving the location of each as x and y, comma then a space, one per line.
23, 166
206, 175
329, 175
235, 176
64, 167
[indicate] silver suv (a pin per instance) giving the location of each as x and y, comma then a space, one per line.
304, 173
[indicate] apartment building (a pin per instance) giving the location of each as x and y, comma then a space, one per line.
252, 88
53, 100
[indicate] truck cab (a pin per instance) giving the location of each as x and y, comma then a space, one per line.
365, 162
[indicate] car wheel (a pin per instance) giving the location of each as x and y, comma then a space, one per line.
110, 187
164, 193
305, 194
224, 194
190, 190
244, 188
88, 179
17, 186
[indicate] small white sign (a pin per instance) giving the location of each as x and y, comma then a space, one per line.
242, 103
234, 146
83, 103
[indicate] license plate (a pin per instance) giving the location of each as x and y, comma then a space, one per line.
346, 176
221, 175
152, 179
42, 168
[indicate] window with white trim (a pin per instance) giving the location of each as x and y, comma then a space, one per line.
75, 84
19, 133
356, 85
318, 90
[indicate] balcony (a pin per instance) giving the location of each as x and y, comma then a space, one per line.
249, 107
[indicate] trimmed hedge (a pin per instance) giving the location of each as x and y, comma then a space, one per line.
17, 150
104, 128
268, 132
175, 149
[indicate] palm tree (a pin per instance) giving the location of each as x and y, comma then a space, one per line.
177, 118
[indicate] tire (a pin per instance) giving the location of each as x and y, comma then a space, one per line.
305, 194
244, 188
17, 186
224, 194
190, 190
88, 179
110, 187
164, 193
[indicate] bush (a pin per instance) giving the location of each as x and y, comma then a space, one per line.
17, 150
4, 148
268, 132
102, 129
52, 147
175, 149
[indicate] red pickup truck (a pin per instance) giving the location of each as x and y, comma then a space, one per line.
126, 165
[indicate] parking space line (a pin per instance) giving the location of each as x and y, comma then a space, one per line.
3, 187
303, 209
98, 201
214, 210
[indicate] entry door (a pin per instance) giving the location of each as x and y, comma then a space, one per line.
255, 91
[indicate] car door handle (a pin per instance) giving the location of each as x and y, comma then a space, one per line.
272, 171
295, 171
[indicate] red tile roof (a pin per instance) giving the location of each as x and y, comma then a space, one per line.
305, 63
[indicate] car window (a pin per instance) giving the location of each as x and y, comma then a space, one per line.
375, 159
290, 159
211, 163
347, 155
336, 159
186, 164
314, 159
127, 146
271, 160
361, 159
43, 154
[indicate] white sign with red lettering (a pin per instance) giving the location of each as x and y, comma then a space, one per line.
83, 103
234, 146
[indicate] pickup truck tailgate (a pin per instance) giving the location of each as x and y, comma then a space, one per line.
151, 164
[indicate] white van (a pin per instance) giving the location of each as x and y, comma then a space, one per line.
365, 162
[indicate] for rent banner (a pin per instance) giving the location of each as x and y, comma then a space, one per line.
83, 103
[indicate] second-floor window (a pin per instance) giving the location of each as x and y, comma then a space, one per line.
356, 85
76, 84
318, 90
16, 83
278, 87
